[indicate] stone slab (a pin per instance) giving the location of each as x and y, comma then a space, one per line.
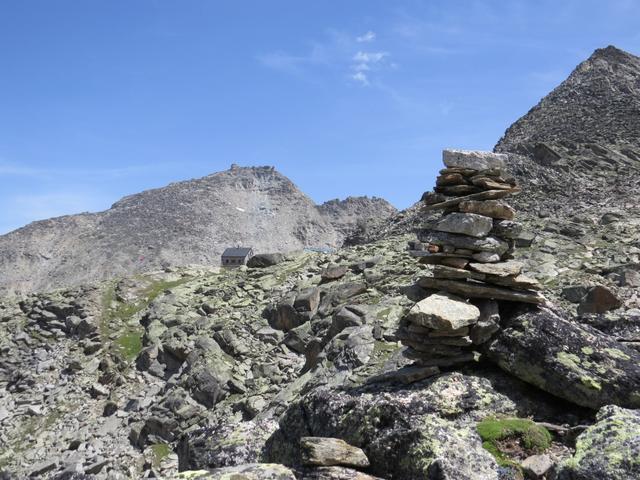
473, 159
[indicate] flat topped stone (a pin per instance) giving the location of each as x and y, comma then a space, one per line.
442, 311
473, 159
488, 208
481, 290
466, 224
325, 451
500, 269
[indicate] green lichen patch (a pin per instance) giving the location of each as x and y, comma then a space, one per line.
160, 452
526, 434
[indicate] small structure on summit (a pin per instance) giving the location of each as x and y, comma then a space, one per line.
236, 256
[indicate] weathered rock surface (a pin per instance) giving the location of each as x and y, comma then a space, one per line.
479, 290
568, 360
443, 311
607, 450
263, 260
252, 471
398, 431
475, 160
328, 452
488, 208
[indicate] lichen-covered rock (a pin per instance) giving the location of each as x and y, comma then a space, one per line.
400, 431
224, 445
568, 360
607, 450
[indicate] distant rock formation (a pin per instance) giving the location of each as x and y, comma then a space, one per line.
189, 222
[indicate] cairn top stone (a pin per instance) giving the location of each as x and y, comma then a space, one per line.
473, 159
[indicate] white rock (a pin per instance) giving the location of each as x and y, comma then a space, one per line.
473, 159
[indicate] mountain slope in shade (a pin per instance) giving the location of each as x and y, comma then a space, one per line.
188, 222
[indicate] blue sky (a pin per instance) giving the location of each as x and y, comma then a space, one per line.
101, 99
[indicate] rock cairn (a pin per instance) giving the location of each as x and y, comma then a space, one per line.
470, 248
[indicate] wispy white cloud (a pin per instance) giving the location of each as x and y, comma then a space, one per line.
361, 78
366, 62
367, 37
369, 57
339, 52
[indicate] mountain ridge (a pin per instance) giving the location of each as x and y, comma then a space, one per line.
187, 222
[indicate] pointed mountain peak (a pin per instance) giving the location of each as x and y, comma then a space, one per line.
598, 103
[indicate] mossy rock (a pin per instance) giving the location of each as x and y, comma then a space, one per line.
533, 438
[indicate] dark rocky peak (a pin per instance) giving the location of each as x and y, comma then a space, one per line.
578, 149
599, 103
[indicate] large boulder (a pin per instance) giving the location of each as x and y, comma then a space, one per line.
224, 444
263, 260
399, 430
607, 450
207, 373
599, 299
571, 361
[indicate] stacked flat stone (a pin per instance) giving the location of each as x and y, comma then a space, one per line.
470, 248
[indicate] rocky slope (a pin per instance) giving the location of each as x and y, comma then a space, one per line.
265, 372
189, 222
577, 156
211, 369
578, 153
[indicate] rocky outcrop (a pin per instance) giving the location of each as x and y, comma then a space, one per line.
607, 450
577, 363
598, 103
184, 223
399, 432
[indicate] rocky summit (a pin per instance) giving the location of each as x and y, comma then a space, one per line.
184, 223
490, 332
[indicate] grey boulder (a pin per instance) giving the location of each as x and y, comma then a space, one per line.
607, 450
465, 224
324, 451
